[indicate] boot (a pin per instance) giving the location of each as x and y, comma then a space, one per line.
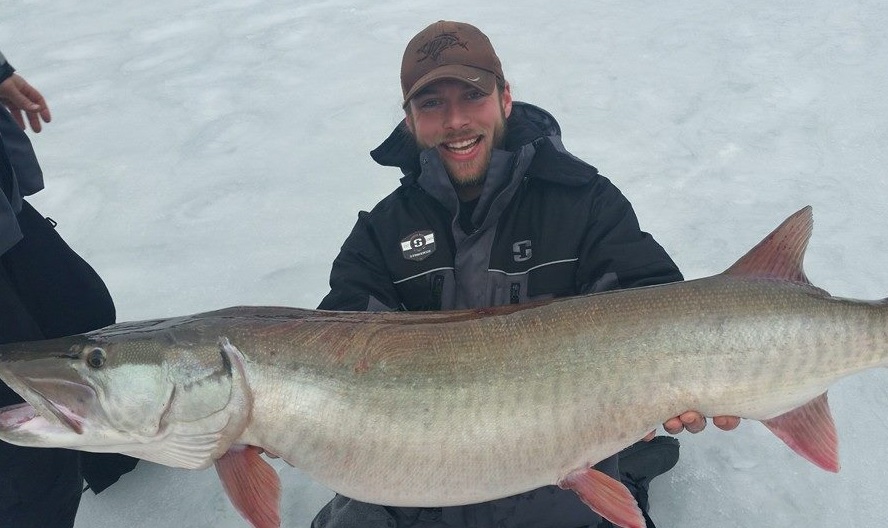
641, 462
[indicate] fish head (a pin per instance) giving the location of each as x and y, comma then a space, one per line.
174, 402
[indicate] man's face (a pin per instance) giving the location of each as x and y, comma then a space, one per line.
464, 125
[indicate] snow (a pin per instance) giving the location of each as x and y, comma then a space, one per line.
210, 153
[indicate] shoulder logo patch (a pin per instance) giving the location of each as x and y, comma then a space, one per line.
418, 246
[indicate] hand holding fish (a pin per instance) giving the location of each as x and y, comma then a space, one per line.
695, 422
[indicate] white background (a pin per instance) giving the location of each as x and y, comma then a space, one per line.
209, 153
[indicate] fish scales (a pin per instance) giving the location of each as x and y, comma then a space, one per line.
424, 394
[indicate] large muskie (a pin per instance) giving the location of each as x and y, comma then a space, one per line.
448, 408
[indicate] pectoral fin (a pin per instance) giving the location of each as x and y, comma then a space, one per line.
809, 430
252, 485
606, 496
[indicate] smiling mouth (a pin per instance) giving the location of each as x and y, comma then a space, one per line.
462, 146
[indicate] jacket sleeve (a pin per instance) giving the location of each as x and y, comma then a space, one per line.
615, 252
6, 69
359, 280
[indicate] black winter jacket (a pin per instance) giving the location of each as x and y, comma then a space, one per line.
546, 225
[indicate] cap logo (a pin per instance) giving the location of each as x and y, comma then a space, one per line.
438, 45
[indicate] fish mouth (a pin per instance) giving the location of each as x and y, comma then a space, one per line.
44, 412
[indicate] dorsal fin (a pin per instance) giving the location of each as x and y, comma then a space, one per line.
780, 254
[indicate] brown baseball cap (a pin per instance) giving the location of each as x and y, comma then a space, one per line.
449, 50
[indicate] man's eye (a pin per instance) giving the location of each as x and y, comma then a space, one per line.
429, 103
476, 94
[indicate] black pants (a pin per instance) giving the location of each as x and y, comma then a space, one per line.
48, 291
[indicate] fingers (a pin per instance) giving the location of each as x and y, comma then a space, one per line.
17, 116
694, 422
34, 120
39, 108
673, 425
726, 423
19, 96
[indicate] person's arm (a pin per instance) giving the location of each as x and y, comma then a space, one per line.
22, 99
617, 254
359, 280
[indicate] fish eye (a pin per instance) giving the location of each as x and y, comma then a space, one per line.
95, 358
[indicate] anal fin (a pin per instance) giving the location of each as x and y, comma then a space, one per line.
810, 431
252, 485
606, 496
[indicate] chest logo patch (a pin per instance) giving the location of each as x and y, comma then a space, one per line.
418, 246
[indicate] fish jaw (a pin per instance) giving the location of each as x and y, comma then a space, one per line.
22, 425
60, 409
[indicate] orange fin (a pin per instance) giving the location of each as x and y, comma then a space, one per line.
780, 254
606, 496
810, 432
252, 486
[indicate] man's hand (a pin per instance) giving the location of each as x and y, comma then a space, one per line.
19, 96
695, 422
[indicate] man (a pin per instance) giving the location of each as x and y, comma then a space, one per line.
491, 210
46, 291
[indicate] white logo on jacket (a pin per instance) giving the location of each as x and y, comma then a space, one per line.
418, 246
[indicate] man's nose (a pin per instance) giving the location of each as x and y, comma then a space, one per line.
456, 117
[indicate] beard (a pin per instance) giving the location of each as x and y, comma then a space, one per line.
474, 173
470, 174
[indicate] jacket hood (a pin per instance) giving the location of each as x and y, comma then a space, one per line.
526, 124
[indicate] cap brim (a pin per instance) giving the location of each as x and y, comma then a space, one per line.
480, 79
